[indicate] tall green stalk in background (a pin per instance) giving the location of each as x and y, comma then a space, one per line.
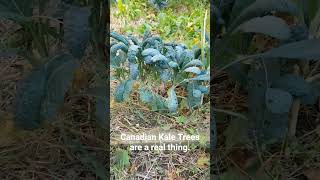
203, 40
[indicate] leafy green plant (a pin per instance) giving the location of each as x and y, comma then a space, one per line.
122, 158
129, 10
170, 23
54, 44
154, 62
279, 78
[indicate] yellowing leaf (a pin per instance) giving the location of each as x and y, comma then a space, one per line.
203, 140
202, 162
121, 7
112, 103
196, 41
136, 86
189, 24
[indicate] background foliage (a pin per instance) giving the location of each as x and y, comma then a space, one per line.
270, 49
178, 21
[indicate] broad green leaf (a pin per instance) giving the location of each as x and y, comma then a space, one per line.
196, 93
229, 47
217, 15
193, 69
268, 25
123, 90
179, 50
293, 84
203, 89
134, 71
119, 38
28, 99
195, 62
118, 96
192, 100
42, 92
204, 77
172, 101
239, 6
278, 101
118, 46
267, 125
305, 49
261, 7
186, 57
173, 64
153, 41
165, 75
134, 40
147, 59
133, 53
159, 57
60, 71
158, 103
76, 30
145, 95
150, 52
117, 58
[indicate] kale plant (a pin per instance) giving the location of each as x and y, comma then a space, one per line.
54, 42
278, 79
153, 62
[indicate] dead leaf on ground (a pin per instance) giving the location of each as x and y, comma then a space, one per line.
203, 161
172, 175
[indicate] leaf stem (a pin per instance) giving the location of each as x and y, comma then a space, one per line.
294, 112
